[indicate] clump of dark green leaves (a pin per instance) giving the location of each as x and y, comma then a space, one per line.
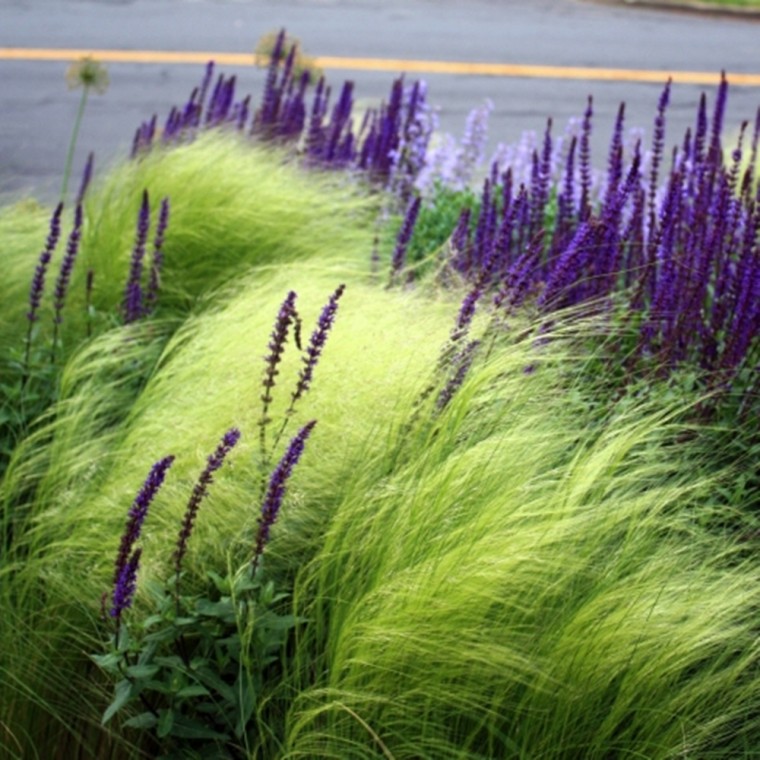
194, 673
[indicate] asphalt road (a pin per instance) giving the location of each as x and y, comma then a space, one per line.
37, 111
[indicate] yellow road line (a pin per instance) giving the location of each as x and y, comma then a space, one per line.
389, 64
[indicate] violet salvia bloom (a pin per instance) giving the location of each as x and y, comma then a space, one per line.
154, 280
64, 274
137, 513
86, 178
213, 463
132, 305
405, 235
38, 281
462, 363
317, 344
472, 146
285, 318
277, 487
125, 586
658, 144
585, 161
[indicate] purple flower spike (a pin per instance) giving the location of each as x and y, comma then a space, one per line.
126, 585
86, 177
405, 235
213, 463
132, 306
276, 489
154, 281
137, 513
285, 317
38, 281
64, 274
317, 344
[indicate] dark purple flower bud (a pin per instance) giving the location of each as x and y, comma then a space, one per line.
700, 132
138, 511
64, 274
317, 344
213, 463
154, 280
405, 235
126, 585
275, 492
38, 281
86, 177
132, 305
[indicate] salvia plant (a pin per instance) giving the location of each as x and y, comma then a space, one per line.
193, 677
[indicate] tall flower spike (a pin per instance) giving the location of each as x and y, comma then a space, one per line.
86, 177
38, 281
213, 463
64, 274
317, 344
137, 513
405, 235
132, 306
275, 492
154, 280
125, 585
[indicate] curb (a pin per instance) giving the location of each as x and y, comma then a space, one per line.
693, 6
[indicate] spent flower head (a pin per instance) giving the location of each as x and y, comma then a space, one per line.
88, 73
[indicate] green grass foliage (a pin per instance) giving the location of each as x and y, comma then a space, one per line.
518, 575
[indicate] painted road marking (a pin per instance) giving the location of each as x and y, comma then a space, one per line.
387, 64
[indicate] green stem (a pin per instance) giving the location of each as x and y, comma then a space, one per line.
73, 142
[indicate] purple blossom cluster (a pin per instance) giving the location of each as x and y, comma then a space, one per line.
388, 146
678, 252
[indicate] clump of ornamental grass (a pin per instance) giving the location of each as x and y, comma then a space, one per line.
71, 484
495, 577
527, 582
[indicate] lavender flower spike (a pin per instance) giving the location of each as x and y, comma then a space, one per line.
137, 513
405, 235
213, 463
38, 281
86, 178
64, 274
317, 344
132, 305
277, 486
154, 280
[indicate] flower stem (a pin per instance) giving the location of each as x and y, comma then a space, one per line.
73, 141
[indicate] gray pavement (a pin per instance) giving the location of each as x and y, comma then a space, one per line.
38, 110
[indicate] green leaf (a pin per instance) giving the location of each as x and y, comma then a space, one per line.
222, 584
222, 609
142, 671
109, 662
123, 692
246, 702
187, 728
196, 690
144, 720
165, 723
